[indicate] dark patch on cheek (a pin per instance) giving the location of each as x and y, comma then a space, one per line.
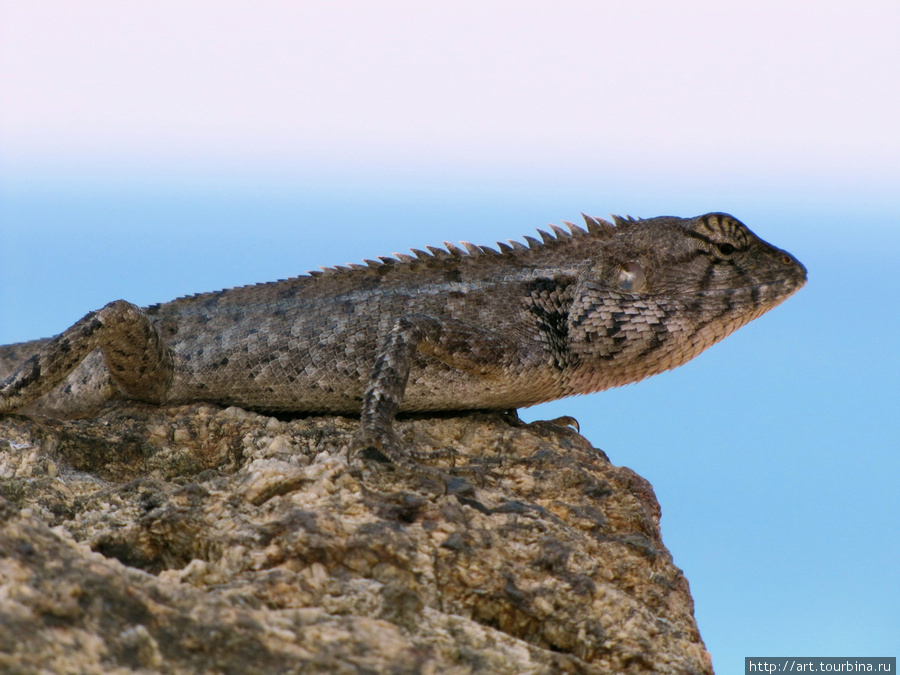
728, 304
694, 308
737, 267
657, 340
616, 337
728, 309
708, 276
583, 315
754, 295
614, 328
548, 302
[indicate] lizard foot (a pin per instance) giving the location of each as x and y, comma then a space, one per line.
388, 447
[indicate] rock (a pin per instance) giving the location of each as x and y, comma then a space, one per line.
195, 539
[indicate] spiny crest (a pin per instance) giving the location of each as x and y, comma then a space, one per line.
597, 228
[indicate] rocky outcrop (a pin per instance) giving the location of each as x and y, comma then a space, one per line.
195, 539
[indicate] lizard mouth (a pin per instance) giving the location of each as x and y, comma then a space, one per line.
791, 282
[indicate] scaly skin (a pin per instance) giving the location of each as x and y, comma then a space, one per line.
448, 330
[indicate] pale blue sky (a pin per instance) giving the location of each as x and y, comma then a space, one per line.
149, 150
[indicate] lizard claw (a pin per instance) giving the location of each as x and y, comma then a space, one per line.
566, 421
384, 445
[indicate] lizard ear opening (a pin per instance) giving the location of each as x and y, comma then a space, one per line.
631, 277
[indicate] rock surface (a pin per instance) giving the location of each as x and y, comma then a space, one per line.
195, 539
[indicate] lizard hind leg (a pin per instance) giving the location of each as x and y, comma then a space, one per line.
138, 360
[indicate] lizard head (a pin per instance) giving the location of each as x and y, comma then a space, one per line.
708, 256
669, 287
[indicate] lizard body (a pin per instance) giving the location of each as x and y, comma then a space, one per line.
452, 329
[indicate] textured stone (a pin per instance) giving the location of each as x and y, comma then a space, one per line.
195, 539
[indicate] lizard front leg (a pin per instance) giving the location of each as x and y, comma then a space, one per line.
138, 361
472, 349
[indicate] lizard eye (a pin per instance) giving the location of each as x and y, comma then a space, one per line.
725, 249
631, 277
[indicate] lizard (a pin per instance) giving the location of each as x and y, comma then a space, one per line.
447, 329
